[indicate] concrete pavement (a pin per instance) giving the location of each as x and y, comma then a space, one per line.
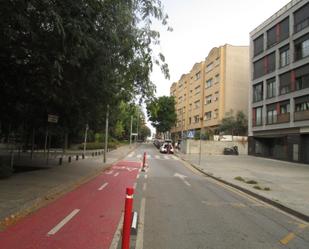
288, 182
31, 188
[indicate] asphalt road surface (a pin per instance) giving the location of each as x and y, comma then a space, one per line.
178, 208
181, 209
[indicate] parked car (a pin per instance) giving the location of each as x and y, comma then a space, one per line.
167, 148
231, 151
157, 143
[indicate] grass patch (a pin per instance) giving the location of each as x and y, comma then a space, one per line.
267, 189
257, 187
239, 178
252, 182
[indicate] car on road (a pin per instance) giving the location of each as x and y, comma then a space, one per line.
167, 148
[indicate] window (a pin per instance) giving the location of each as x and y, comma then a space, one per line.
216, 97
258, 45
257, 116
209, 67
216, 113
258, 68
197, 90
270, 63
284, 56
302, 47
198, 75
258, 92
208, 99
271, 88
217, 79
302, 77
196, 119
278, 33
271, 114
217, 61
207, 115
197, 104
284, 107
301, 18
302, 104
285, 83
209, 83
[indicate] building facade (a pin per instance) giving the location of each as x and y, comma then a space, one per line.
212, 87
279, 89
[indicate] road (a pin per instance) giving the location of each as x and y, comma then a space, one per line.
182, 209
178, 208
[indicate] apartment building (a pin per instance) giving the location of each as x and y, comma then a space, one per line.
279, 89
211, 88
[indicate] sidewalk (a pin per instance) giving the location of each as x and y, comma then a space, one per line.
29, 189
288, 182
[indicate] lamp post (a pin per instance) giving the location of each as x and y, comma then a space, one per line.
200, 154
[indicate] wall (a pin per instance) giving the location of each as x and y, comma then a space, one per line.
191, 146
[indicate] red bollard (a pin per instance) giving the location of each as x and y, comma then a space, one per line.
127, 219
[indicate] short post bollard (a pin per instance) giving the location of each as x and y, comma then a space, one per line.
127, 219
69, 159
76, 157
83, 156
144, 161
60, 160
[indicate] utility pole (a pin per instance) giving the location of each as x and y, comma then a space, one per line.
131, 130
85, 141
106, 134
137, 127
200, 154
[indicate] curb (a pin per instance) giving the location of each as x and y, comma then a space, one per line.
278, 205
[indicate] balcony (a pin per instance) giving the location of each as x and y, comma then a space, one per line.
302, 115
283, 118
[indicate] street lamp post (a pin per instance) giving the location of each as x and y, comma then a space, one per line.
131, 130
106, 134
200, 153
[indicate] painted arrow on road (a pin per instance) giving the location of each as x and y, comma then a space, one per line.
182, 177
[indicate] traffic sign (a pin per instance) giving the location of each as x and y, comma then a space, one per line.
190, 134
52, 118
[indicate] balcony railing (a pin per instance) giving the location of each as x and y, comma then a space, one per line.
283, 118
302, 115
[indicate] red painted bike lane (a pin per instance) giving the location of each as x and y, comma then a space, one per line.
85, 218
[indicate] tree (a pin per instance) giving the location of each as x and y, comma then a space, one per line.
234, 124
162, 114
145, 132
73, 58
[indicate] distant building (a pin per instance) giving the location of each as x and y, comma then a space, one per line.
279, 91
212, 87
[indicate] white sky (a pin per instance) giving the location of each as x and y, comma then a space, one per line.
200, 25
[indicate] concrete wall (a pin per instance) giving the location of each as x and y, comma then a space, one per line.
191, 146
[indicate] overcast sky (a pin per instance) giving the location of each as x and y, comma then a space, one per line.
200, 25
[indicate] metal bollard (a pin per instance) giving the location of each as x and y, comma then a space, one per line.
127, 219
83, 156
69, 159
76, 157
60, 160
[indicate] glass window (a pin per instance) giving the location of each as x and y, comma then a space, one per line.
284, 56
209, 83
209, 67
207, 115
258, 116
208, 99
302, 47
258, 92
197, 75
258, 45
301, 18
271, 88
271, 114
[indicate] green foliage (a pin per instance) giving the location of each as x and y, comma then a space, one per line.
145, 132
73, 58
234, 125
162, 114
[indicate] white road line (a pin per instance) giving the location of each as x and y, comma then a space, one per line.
148, 157
157, 157
166, 157
140, 234
146, 176
139, 156
103, 186
116, 174
63, 222
134, 185
117, 234
131, 154
137, 176
187, 183
109, 172
144, 186
175, 157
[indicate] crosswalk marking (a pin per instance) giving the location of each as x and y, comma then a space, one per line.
157, 156
152, 157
